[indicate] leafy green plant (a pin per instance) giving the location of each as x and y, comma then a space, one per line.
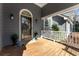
55, 27
14, 38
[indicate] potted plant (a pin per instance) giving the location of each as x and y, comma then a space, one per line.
14, 38
35, 35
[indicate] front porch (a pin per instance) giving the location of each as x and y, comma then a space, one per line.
41, 40
41, 47
45, 47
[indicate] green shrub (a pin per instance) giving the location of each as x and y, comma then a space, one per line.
55, 27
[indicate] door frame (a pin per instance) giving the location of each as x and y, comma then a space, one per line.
20, 34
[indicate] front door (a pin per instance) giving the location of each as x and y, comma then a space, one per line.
26, 28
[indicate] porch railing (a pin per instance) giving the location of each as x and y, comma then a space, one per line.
71, 39
54, 35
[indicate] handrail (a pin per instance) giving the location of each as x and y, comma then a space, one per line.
71, 39
54, 35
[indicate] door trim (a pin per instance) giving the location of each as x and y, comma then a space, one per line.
20, 23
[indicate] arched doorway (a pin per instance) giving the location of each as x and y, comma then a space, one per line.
25, 25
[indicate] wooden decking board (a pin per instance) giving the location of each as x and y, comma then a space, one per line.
41, 47
44, 47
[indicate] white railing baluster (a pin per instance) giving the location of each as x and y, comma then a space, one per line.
55, 35
62, 36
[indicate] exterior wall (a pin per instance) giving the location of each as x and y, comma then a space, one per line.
1, 32
12, 26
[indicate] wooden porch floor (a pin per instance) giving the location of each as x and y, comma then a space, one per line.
41, 47
44, 47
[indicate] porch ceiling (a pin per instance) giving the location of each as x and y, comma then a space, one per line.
73, 15
40, 4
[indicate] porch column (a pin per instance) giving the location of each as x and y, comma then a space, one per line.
43, 24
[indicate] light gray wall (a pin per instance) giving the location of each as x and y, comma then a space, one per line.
1, 26
51, 8
12, 26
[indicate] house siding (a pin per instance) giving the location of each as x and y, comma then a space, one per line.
1, 26
12, 26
